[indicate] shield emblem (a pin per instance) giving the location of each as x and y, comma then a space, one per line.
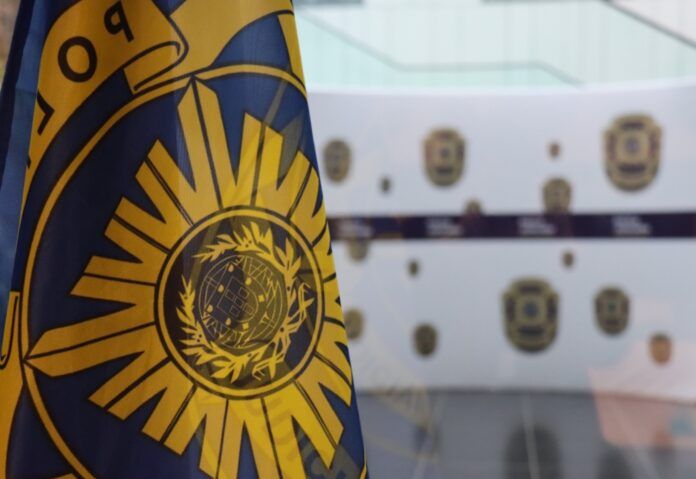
632, 152
557, 196
337, 160
444, 157
530, 314
612, 309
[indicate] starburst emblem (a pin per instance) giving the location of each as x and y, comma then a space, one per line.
228, 315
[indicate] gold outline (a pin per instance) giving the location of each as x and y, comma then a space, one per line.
244, 211
30, 379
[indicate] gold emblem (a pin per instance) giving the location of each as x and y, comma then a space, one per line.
230, 312
425, 340
612, 309
632, 152
530, 313
557, 196
337, 160
445, 152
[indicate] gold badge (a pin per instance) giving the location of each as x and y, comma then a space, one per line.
425, 340
337, 160
445, 152
557, 196
530, 314
612, 310
632, 151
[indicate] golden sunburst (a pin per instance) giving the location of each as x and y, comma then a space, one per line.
231, 308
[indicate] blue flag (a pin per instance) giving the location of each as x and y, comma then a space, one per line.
171, 305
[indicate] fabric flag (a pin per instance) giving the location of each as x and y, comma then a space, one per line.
173, 308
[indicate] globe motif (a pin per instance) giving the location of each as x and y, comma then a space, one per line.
241, 302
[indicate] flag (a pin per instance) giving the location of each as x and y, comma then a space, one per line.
173, 307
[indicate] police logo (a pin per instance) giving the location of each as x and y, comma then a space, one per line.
557, 196
187, 250
425, 340
230, 323
661, 348
355, 323
632, 152
530, 313
445, 152
612, 310
337, 160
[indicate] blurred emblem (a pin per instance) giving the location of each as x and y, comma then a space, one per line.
337, 159
612, 308
661, 348
554, 150
632, 151
557, 196
568, 259
358, 249
385, 185
444, 157
425, 339
413, 268
473, 208
530, 309
355, 323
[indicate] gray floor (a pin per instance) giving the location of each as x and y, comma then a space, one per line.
443, 435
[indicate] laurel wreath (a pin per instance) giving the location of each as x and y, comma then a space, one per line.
265, 359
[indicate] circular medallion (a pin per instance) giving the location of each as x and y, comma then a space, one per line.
231, 299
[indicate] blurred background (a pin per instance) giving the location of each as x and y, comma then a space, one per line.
511, 191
